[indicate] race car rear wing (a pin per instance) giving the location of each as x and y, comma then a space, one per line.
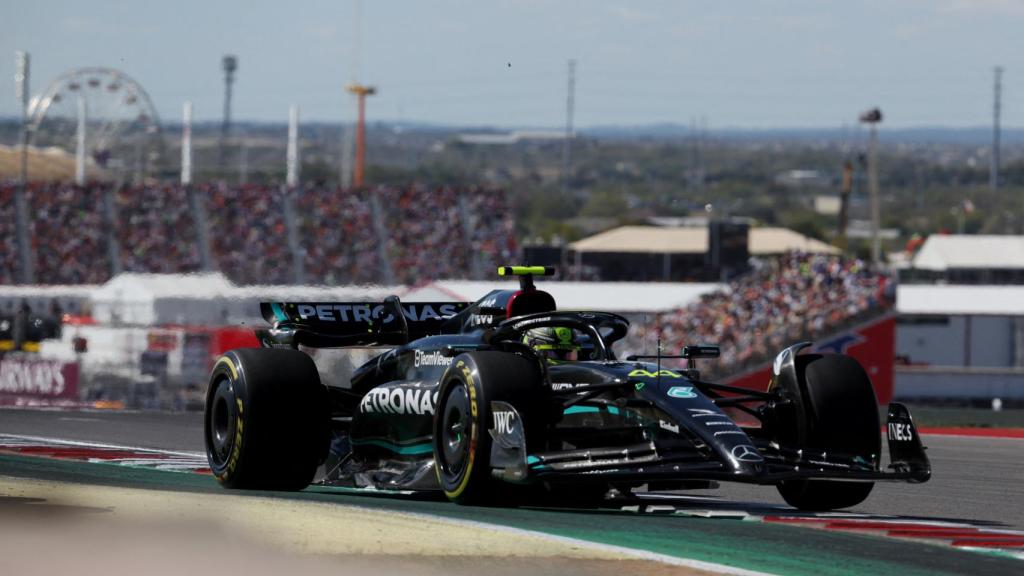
341, 324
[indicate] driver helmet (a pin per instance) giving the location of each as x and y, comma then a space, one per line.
553, 342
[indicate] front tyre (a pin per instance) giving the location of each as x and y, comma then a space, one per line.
839, 413
462, 441
267, 419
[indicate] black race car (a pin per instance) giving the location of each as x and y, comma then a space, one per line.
463, 403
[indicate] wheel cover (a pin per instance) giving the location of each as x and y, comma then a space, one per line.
221, 422
455, 433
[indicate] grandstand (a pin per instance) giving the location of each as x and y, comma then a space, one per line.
340, 236
402, 236
259, 234
793, 297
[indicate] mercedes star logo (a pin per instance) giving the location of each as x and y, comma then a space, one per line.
746, 453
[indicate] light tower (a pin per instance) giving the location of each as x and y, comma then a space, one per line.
21, 77
993, 173
361, 93
570, 104
229, 64
872, 118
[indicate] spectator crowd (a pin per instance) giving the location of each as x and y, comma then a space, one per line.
155, 229
339, 238
426, 233
8, 237
248, 234
797, 296
492, 230
67, 234
256, 233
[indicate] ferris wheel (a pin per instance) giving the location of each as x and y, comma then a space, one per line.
121, 126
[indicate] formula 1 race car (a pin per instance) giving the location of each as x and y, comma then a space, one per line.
470, 401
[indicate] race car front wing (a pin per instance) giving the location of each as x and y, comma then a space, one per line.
663, 460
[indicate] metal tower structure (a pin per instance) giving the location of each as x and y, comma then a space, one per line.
229, 64
348, 132
872, 118
80, 141
570, 105
993, 172
22, 61
186, 144
361, 92
292, 160
122, 128
844, 203
196, 201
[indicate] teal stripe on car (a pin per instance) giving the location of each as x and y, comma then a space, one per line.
411, 449
588, 410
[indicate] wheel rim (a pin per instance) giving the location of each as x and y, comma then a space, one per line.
221, 422
455, 432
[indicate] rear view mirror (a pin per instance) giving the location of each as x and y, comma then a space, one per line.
701, 351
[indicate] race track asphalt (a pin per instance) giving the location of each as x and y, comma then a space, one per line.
976, 480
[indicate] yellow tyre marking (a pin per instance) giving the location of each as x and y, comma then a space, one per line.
236, 449
471, 385
227, 362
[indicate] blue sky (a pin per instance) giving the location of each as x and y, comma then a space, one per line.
757, 64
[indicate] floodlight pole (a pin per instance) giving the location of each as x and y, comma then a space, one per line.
230, 65
195, 201
186, 144
21, 77
570, 104
993, 175
844, 203
872, 118
292, 155
80, 151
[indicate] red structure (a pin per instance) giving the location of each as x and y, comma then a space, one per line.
873, 345
361, 93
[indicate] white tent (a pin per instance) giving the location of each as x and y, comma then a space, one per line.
960, 299
147, 299
942, 252
694, 240
208, 299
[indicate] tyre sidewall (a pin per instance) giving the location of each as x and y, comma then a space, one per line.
281, 419
488, 376
469, 482
227, 373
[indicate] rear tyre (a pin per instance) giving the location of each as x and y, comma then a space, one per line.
462, 441
839, 413
267, 419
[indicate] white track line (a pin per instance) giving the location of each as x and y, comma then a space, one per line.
597, 546
100, 445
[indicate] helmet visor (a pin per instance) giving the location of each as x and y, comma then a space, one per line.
557, 352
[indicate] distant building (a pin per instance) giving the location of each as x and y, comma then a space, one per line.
505, 138
960, 341
827, 205
697, 253
968, 259
960, 328
803, 179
